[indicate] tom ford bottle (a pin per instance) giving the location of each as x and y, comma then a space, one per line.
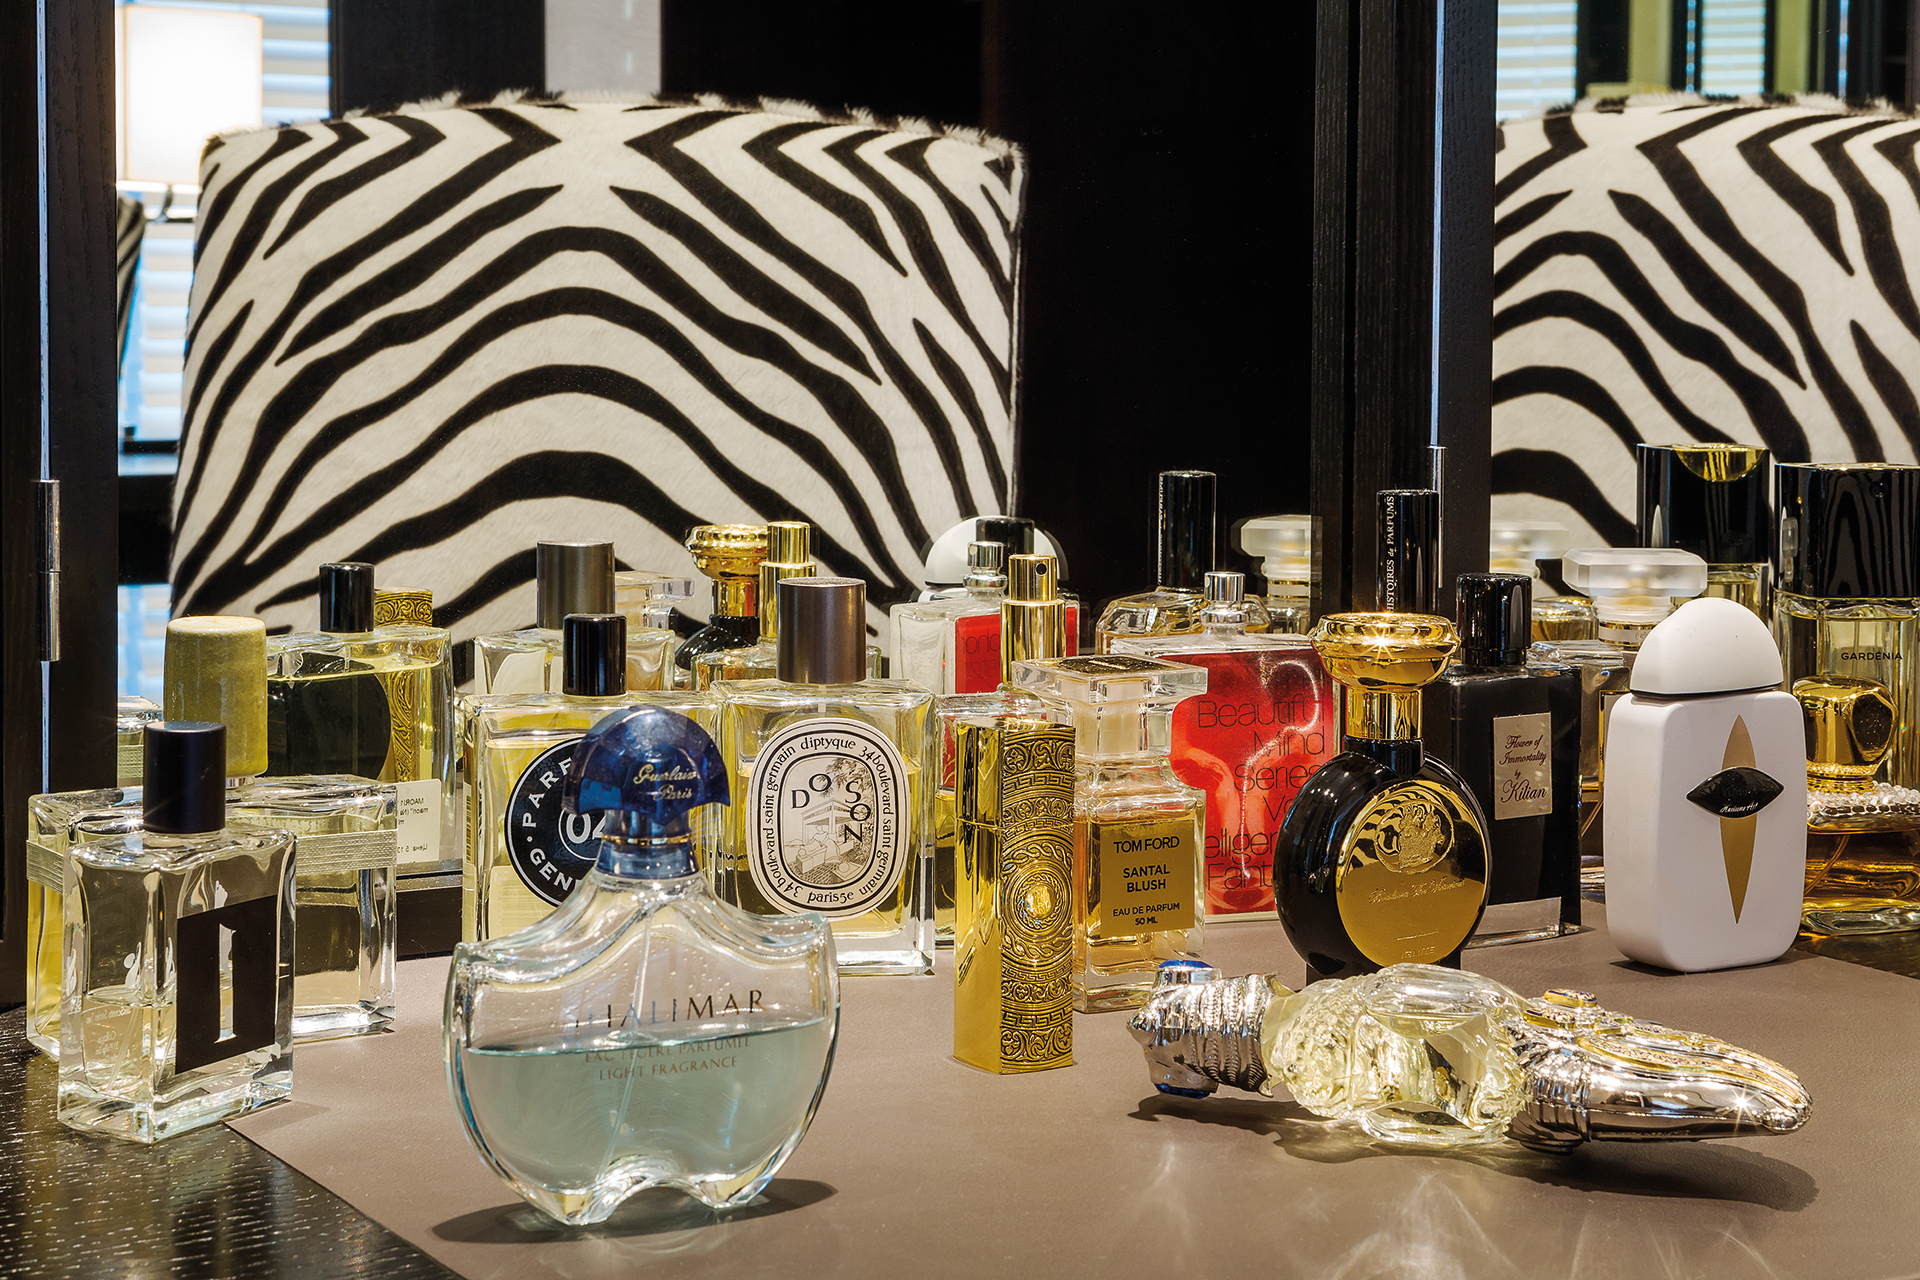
570, 577
1863, 835
1383, 858
1712, 500
1188, 530
730, 554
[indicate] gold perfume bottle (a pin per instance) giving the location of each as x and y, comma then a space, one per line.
788, 556
1712, 500
731, 555
1189, 519
570, 577
1863, 836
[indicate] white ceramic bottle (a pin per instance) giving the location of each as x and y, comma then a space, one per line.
1705, 796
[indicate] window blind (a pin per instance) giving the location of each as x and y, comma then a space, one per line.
1534, 60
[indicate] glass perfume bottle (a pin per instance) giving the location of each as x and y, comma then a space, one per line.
424, 858
355, 698
788, 556
1863, 836
952, 644
1521, 546
130, 717
644, 1034
1511, 731
833, 786
1138, 831
1188, 521
1383, 857
646, 598
1284, 547
179, 954
1266, 722
1847, 602
730, 554
1712, 500
1407, 550
523, 855
570, 577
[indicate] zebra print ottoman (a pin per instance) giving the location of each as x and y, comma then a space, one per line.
1675, 269
428, 339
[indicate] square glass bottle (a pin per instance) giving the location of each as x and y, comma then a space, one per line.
952, 645
1138, 870
1712, 500
833, 784
729, 554
570, 577
1863, 835
1188, 532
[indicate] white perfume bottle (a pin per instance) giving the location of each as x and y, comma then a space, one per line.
1706, 796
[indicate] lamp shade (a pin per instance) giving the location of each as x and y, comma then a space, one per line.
184, 75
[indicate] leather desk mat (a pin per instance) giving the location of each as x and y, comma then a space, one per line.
917, 1165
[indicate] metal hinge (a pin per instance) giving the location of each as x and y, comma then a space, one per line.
47, 577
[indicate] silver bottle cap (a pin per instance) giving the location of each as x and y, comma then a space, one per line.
1225, 588
574, 577
986, 557
823, 631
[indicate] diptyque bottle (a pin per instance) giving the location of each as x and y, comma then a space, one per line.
1188, 529
1863, 836
179, 935
570, 577
1383, 858
1715, 501
730, 554
644, 1034
833, 782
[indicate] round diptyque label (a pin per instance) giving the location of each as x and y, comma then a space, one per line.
828, 830
551, 850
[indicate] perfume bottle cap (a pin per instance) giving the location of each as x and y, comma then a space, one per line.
1709, 645
1408, 535
593, 655
1188, 528
1710, 499
346, 598
1033, 579
1033, 618
1110, 678
217, 670
402, 606
823, 631
733, 550
1284, 547
1849, 531
644, 597
788, 556
184, 779
985, 558
1634, 584
1495, 613
1015, 533
1522, 544
651, 765
1384, 652
1850, 724
572, 577
1225, 588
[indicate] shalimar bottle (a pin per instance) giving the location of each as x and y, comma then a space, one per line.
1188, 531
1383, 858
730, 554
833, 786
569, 577
644, 1034
1863, 836
1138, 886
178, 1008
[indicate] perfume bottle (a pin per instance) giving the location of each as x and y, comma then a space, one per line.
1511, 731
1284, 546
130, 718
1847, 597
356, 698
402, 607
788, 556
1267, 722
645, 598
730, 554
1712, 500
1407, 550
952, 644
1138, 831
1863, 836
644, 1034
1018, 536
1522, 546
178, 1005
1383, 857
424, 858
570, 577
833, 786
1188, 527
523, 856
1706, 796
1422, 1056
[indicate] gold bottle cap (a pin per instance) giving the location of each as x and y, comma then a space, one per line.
1384, 658
732, 550
1033, 617
1850, 724
408, 606
788, 555
216, 669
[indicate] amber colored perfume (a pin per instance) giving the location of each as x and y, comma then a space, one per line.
1267, 721
1383, 858
1863, 835
1138, 844
570, 577
1712, 500
729, 554
1188, 529
1285, 548
1521, 546
402, 607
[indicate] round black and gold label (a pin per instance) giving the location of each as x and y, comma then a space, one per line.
1412, 874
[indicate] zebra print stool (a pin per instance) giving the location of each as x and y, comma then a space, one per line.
1676, 269
429, 338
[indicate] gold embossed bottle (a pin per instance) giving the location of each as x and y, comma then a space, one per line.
1863, 836
729, 554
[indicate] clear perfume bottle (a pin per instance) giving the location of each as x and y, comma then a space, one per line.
179, 941
1521, 546
1863, 836
130, 717
1511, 731
952, 644
1284, 546
644, 1034
523, 855
833, 789
1188, 521
645, 598
1383, 857
1138, 831
1268, 720
570, 577
1712, 500
729, 554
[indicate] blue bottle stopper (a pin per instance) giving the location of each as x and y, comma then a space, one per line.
646, 768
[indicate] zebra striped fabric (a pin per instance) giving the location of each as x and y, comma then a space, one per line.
130, 227
1677, 268
429, 339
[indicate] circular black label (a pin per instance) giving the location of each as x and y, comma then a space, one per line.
551, 850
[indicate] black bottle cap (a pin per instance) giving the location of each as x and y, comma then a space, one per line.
1711, 500
1408, 542
823, 631
1495, 615
346, 597
1015, 533
184, 791
1189, 506
593, 655
1848, 532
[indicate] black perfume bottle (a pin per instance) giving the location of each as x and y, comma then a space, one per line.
1512, 732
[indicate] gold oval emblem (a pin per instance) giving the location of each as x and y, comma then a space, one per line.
1413, 836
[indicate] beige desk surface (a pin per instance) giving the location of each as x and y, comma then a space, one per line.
918, 1166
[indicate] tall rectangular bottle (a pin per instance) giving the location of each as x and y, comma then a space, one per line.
1188, 543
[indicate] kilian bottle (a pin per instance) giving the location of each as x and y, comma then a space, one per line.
570, 577
1847, 594
1138, 864
1863, 836
1188, 528
1284, 547
523, 855
1522, 546
1383, 857
644, 1034
1511, 731
788, 556
179, 939
1712, 500
952, 645
833, 786
730, 554
130, 718
1267, 721
1706, 796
